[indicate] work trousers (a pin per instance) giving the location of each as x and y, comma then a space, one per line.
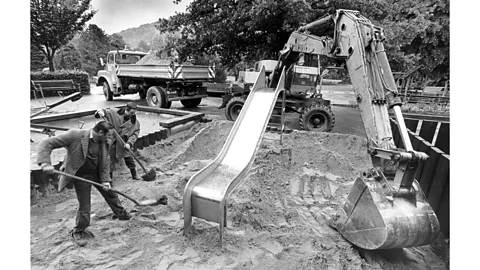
83, 190
129, 161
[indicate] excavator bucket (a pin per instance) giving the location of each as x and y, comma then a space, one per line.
374, 219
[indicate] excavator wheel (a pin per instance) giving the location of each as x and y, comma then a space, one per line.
233, 108
317, 118
156, 97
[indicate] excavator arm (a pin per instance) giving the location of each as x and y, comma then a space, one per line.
379, 213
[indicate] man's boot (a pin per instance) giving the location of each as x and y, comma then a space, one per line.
134, 174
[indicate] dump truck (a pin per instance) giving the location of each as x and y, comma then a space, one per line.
158, 84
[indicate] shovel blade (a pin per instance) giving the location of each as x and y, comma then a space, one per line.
151, 202
371, 221
150, 176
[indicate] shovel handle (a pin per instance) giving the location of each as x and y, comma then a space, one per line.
123, 143
97, 184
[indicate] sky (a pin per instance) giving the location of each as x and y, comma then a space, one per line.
114, 16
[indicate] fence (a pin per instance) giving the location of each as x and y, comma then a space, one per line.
431, 137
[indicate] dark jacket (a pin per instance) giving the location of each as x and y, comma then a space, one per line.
76, 143
128, 131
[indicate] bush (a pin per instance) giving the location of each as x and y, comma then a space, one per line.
425, 107
80, 77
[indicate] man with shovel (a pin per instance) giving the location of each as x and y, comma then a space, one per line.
125, 122
87, 157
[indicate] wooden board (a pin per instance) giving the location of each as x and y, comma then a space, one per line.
427, 131
411, 124
428, 172
424, 147
443, 212
443, 138
417, 143
440, 178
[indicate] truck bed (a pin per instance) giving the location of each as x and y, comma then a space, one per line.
178, 72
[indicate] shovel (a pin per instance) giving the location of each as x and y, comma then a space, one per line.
150, 202
149, 175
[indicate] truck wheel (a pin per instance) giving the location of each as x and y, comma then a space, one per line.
156, 97
233, 108
143, 94
107, 92
317, 118
190, 103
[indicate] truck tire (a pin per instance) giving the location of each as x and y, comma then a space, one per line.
233, 108
156, 97
191, 103
317, 118
143, 94
107, 92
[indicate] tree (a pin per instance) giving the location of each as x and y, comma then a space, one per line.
417, 32
116, 41
37, 59
53, 23
237, 29
68, 57
93, 43
142, 46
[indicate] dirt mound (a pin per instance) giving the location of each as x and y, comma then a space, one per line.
276, 216
152, 59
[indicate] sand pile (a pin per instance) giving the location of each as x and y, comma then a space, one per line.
276, 217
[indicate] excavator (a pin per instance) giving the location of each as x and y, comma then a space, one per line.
386, 207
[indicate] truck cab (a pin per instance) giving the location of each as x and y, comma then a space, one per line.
108, 76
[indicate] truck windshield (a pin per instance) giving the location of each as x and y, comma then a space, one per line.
128, 58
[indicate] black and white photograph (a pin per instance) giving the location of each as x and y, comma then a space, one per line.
239, 134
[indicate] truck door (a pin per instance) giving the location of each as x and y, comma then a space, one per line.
112, 69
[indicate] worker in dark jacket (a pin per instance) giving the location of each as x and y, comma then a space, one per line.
125, 122
87, 157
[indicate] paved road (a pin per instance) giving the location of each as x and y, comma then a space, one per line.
347, 120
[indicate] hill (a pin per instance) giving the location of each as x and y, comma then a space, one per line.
133, 36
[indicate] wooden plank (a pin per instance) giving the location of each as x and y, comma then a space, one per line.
49, 127
426, 178
411, 124
443, 138
63, 116
424, 147
427, 131
417, 143
440, 178
443, 212
162, 110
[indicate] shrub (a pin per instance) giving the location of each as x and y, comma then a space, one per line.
80, 77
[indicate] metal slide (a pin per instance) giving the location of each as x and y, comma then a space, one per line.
207, 191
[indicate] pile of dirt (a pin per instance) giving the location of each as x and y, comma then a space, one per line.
152, 59
275, 220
